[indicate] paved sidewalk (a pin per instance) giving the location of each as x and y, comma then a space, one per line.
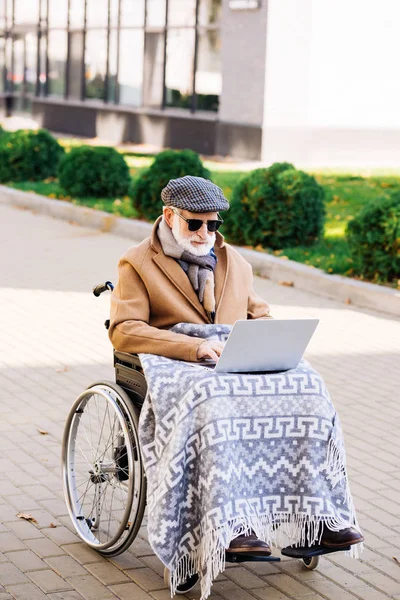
53, 344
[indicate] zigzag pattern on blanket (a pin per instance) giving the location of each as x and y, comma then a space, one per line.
223, 451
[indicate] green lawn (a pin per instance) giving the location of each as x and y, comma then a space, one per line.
345, 195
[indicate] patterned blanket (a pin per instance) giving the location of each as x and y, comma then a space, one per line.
229, 453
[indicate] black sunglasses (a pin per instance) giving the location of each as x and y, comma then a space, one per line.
194, 224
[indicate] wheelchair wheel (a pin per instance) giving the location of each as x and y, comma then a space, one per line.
311, 562
103, 476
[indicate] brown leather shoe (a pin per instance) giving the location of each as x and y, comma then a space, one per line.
342, 538
250, 544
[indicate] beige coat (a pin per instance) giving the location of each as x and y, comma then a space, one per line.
154, 293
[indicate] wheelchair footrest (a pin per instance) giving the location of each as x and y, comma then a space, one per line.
240, 557
310, 551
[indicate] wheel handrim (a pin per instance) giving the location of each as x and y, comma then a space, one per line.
100, 482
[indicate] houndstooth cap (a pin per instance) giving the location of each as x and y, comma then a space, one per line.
194, 194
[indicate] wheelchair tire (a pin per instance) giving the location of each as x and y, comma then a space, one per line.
103, 475
311, 563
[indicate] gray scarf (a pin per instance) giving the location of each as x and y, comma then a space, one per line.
199, 269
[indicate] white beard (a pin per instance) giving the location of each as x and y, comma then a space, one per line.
186, 242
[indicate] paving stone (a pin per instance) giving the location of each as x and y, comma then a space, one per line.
24, 530
48, 581
60, 535
90, 588
245, 578
382, 582
263, 568
23, 503
368, 593
128, 561
44, 547
27, 591
107, 573
84, 554
230, 591
287, 585
9, 542
26, 560
166, 595
65, 596
65, 566
130, 591
330, 590
10, 574
146, 578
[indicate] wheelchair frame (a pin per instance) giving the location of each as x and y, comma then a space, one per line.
114, 468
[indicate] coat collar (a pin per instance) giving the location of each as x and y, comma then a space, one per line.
178, 277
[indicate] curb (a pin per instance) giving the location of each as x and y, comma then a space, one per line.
289, 272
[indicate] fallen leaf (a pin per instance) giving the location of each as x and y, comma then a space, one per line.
43, 432
396, 560
347, 301
26, 517
52, 526
287, 283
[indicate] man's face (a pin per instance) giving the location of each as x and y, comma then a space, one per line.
197, 242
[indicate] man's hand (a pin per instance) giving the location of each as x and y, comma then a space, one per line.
210, 349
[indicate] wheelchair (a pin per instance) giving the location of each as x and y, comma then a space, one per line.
102, 468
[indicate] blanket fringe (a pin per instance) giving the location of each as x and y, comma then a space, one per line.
279, 529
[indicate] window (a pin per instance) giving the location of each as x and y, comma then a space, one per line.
58, 13
76, 45
179, 68
181, 13
113, 66
153, 70
130, 77
156, 11
8, 63
97, 13
9, 13
76, 14
42, 65
95, 64
114, 6
57, 55
30, 62
2, 14
154, 53
132, 13
208, 73
43, 13
2, 64
209, 12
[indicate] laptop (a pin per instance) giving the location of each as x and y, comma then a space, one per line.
265, 345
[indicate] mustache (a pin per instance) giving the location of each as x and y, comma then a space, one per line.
196, 238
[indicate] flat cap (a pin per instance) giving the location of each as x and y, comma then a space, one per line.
194, 194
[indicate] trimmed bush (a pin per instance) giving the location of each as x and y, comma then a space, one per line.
276, 208
169, 164
98, 172
28, 155
374, 239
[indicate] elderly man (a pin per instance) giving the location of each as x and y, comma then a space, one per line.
186, 274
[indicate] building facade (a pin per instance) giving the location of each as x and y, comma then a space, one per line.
311, 81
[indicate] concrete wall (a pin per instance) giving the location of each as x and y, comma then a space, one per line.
243, 64
332, 91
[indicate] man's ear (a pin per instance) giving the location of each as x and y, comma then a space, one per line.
168, 215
